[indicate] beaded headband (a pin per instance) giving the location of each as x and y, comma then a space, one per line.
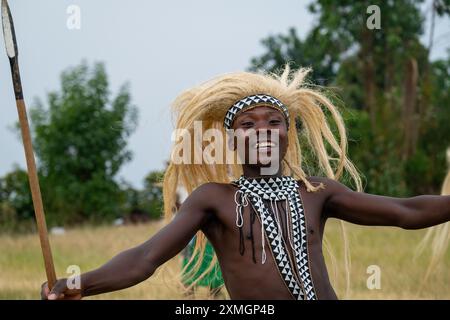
254, 101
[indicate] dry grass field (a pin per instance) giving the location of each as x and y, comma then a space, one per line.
391, 249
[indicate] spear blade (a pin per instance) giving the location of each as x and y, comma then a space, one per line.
11, 48
8, 31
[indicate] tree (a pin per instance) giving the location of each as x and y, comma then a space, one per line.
145, 203
384, 76
152, 194
427, 167
16, 205
80, 142
315, 52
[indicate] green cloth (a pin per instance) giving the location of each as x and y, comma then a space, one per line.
212, 279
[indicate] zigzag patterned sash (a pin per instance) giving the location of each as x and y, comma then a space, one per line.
296, 277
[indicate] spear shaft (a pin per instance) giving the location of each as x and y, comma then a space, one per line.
11, 50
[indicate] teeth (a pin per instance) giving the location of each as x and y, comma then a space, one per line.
264, 145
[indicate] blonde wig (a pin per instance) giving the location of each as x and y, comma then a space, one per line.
323, 134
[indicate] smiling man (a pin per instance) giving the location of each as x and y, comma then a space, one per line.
264, 215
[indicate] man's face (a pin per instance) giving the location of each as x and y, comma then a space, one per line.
264, 131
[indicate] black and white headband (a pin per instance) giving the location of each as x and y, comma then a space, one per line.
253, 101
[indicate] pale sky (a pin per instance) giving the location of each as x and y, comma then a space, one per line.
159, 47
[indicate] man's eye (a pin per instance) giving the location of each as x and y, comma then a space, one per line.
247, 123
274, 121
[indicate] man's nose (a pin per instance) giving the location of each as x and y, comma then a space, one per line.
263, 132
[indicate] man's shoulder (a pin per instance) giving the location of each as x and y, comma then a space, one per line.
326, 184
317, 180
210, 195
214, 189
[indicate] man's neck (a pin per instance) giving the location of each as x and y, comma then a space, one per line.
255, 172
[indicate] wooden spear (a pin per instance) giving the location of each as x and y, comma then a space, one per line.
11, 50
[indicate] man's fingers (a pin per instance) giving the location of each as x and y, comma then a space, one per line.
58, 290
44, 291
53, 296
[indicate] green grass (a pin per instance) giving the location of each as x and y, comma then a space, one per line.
391, 249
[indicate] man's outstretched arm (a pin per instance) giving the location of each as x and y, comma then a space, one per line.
134, 265
367, 209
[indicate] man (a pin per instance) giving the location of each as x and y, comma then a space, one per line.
266, 226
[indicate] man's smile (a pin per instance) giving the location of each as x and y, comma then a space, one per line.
264, 145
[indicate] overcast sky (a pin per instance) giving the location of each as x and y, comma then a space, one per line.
159, 47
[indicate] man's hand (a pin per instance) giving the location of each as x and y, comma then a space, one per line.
60, 291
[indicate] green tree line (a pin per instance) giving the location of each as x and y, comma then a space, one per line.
80, 140
394, 98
